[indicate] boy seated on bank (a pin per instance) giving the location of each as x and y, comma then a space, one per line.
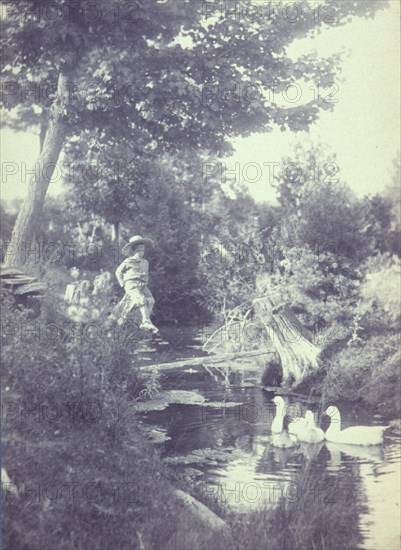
133, 274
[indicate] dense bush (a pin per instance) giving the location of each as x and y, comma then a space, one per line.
69, 421
85, 360
367, 367
380, 292
317, 286
232, 253
368, 372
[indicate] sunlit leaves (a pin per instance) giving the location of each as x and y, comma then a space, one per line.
146, 64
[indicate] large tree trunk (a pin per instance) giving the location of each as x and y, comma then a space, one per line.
19, 248
293, 342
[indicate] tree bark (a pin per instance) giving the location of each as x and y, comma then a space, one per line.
18, 250
42, 135
293, 342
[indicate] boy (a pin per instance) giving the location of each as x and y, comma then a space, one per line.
133, 274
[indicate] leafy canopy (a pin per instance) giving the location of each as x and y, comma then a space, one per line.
159, 72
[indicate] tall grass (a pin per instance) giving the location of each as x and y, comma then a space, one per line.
315, 520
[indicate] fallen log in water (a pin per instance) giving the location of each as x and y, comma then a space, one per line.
317, 398
207, 359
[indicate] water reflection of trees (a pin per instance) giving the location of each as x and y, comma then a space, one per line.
222, 425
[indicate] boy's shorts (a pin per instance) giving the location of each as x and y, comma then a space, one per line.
139, 295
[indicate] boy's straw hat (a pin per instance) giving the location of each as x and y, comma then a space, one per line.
134, 241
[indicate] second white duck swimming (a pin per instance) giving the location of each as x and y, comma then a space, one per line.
294, 427
356, 435
310, 433
297, 426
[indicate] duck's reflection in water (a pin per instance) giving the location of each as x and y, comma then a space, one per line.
372, 453
311, 450
275, 459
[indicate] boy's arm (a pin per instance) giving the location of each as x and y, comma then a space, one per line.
138, 271
120, 272
145, 271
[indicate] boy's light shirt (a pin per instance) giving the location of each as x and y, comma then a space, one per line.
133, 269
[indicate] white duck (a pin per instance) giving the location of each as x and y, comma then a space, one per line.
297, 426
356, 435
311, 433
284, 440
280, 436
277, 424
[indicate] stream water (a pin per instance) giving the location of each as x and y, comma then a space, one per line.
219, 433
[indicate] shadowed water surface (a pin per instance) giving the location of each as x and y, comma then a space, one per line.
224, 443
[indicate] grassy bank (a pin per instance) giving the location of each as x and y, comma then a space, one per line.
366, 374
84, 474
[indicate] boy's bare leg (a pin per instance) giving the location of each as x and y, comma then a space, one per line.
150, 301
146, 322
